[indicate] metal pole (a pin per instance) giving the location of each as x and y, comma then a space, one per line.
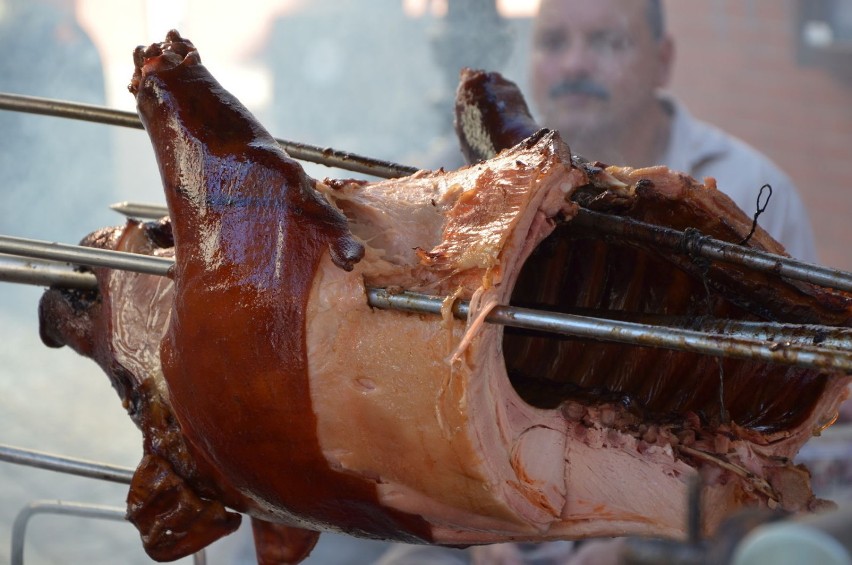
68, 465
629, 230
100, 114
43, 273
634, 230
566, 324
48, 274
89, 256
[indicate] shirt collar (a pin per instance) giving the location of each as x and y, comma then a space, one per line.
691, 142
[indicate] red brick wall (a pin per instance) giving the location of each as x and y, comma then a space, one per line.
737, 68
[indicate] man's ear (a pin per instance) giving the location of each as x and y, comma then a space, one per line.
666, 56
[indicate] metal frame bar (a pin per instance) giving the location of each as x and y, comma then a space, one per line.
69, 466
66, 508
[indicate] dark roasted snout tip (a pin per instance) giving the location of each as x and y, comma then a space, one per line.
139, 56
177, 44
346, 252
65, 318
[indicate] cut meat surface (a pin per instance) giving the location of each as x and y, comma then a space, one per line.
290, 399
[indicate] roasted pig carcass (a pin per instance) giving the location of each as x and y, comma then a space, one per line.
264, 381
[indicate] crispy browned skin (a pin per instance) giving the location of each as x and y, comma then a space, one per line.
169, 475
176, 499
244, 267
282, 545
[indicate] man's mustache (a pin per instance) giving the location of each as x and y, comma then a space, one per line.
579, 86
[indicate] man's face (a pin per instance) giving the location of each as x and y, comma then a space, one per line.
595, 64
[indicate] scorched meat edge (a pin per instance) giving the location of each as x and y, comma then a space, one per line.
264, 382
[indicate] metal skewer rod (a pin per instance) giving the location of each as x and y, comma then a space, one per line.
648, 233
43, 273
709, 248
631, 333
68, 465
51, 274
89, 256
140, 210
566, 324
103, 115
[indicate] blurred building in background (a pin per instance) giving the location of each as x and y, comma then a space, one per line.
778, 74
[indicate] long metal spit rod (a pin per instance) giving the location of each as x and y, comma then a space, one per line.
787, 353
44, 273
49, 273
103, 115
630, 229
68, 465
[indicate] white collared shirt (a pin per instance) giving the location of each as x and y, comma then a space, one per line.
702, 150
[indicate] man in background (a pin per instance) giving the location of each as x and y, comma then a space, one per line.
596, 74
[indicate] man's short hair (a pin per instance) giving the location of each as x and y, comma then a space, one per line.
656, 19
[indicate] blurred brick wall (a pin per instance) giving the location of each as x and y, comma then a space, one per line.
737, 67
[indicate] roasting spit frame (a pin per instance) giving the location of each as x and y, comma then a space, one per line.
40, 263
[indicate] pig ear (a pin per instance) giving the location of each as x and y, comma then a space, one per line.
172, 519
277, 543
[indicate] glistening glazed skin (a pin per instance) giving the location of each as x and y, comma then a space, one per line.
249, 232
120, 327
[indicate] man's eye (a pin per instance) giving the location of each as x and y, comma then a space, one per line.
609, 42
550, 42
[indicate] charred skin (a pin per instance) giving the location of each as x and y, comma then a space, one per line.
249, 232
